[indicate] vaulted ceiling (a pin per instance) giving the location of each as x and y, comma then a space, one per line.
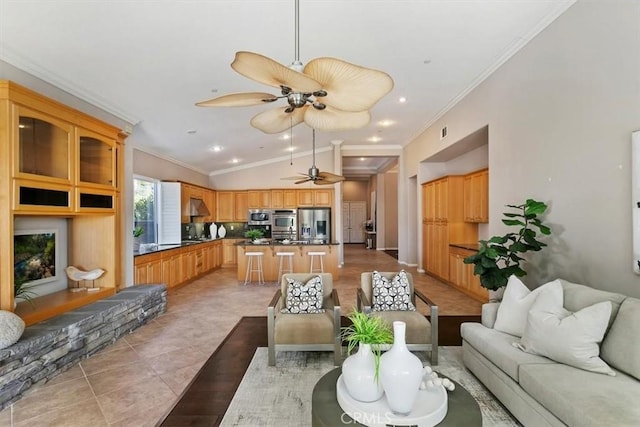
149, 62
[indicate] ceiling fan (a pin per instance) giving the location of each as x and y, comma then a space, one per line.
318, 177
326, 94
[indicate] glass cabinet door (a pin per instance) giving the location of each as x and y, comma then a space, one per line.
97, 156
44, 145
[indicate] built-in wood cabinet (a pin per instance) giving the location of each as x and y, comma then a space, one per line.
179, 266
259, 199
284, 199
322, 197
443, 223
210, 201
305, 197
461, 275
476, 196
229, 252
56, 161
232, 206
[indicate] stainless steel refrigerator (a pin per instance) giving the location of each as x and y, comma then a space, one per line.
314, 224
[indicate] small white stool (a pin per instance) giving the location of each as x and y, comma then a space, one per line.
251, 268
281, 267
320, 256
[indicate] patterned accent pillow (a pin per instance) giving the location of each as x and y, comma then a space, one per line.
392, 295
304, 298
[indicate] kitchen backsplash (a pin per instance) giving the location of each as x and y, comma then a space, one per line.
235, 230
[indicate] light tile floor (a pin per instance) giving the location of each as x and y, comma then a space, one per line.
135, 381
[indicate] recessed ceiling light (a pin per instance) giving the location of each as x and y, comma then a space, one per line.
216, 148
362, 159
290, 148
191, 131
386, 123
234, 160
286, 136
427, 61
402, 100
374, 139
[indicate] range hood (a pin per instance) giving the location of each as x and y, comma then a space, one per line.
197, 208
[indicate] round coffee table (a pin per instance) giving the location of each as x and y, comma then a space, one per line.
326, 412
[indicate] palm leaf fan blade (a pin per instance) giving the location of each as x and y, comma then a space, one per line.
277, 120
349, 87
331, 119
269, 72
239, 100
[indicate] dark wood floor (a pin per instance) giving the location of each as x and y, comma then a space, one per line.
206, 399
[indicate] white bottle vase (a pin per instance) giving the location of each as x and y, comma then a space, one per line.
400, 373
213, 230
222, 231
358, 373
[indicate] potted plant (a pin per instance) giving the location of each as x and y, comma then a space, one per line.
499, 257
253, 234
360, 371
22, 291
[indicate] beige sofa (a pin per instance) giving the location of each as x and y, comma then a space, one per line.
541, 392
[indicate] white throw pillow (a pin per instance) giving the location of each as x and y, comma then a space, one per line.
11, 328
570, 338
515, 305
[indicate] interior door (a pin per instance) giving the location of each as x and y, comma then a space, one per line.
354, 214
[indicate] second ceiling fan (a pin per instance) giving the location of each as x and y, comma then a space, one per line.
315, 175
327, 94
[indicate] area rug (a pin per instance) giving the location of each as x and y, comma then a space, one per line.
281, 396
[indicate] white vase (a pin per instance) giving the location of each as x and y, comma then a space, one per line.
222, 231
213, 230
400, 373
358, 373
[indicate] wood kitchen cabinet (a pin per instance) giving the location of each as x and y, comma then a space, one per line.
476, 196
225, 206
284, 199
323, 197
241, 206
461, 275
443, 223
148, 268
259, 199
209, 198
229, 252
305, 197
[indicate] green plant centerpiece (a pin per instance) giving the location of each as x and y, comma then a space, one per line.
499, 257
367, 329
253, 234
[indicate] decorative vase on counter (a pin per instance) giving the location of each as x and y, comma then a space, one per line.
400, 373
359, 375
213, 230
222, 231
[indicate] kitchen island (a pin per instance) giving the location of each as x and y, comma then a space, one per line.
301, 259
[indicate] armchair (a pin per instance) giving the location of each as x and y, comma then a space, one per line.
304, 332
421, 334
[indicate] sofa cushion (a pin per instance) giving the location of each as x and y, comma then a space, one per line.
497, 347
516, 302
577, 297
564, 336
581, 398
307, 329
621, 346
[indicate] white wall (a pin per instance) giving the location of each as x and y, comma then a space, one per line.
560, 114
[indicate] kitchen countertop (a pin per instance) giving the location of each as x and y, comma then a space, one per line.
153, 248
468, 246
294, 243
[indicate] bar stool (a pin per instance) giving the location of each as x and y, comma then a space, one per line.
251, 268
281, 267
320, 256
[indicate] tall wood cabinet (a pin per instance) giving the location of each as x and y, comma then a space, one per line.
476, 196
59, 162
443, 223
